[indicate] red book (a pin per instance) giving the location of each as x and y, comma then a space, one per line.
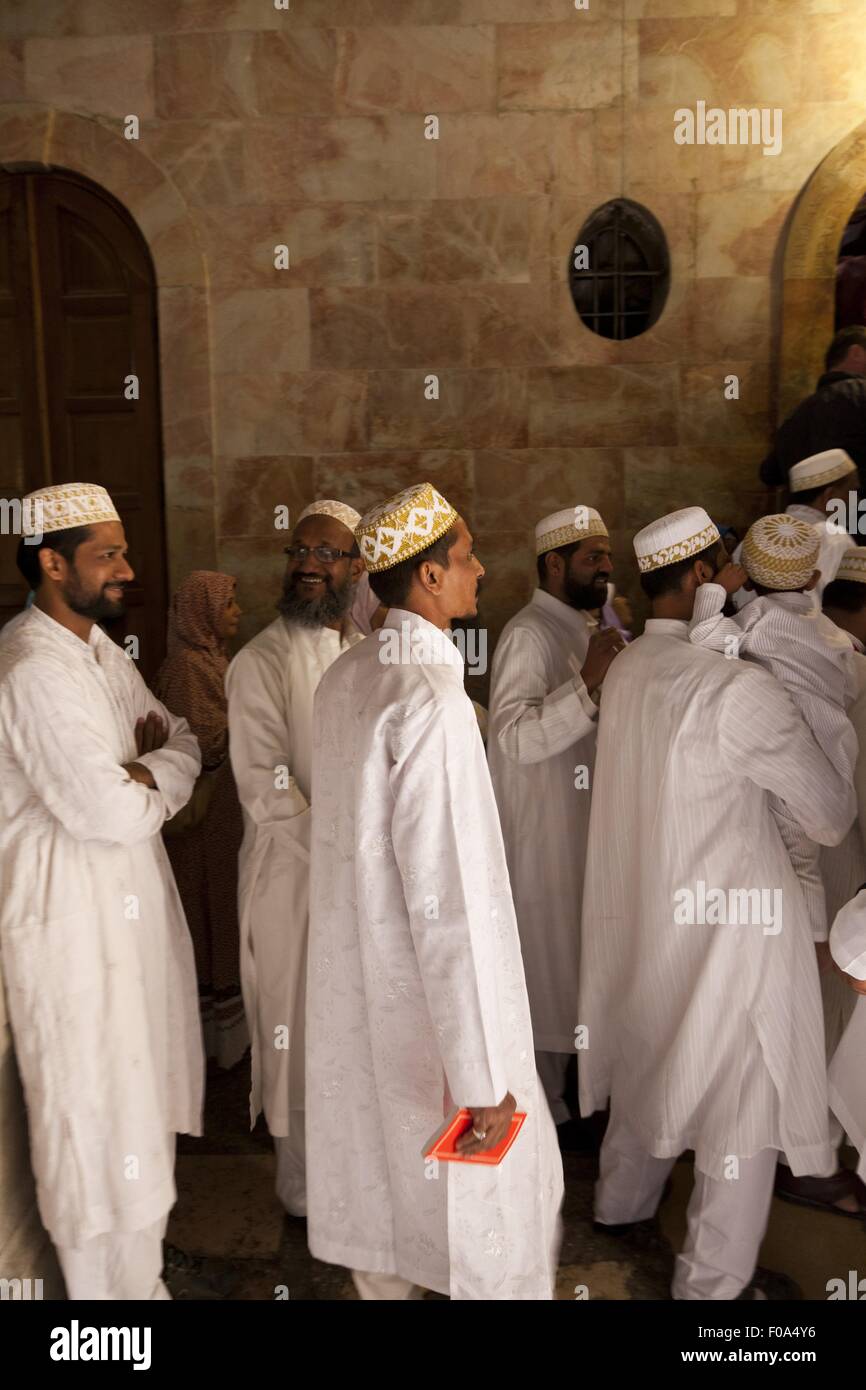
443, 1147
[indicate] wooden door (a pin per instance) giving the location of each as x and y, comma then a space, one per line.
79, 387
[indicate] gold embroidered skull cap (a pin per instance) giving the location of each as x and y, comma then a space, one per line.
566, 526
64, 505
674, 537
400, 527
780, 551
820, 469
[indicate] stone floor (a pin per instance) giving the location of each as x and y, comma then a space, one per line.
227, 1210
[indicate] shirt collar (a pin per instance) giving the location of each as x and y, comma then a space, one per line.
667, 627
59, 633
794, 602
425, 644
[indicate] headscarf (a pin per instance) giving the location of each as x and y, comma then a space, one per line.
190, 680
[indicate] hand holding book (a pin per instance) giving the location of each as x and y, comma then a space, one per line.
489, 1127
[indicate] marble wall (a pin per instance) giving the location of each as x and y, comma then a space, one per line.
305, 126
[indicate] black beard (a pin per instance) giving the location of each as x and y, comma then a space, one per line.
99, 608
585, 595
314, 612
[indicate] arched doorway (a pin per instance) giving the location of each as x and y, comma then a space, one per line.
79, 382
809, 263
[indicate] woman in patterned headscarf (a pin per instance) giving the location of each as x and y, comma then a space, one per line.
202, 618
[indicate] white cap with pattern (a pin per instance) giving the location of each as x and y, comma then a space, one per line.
674, 537
569, 525
327, 506
820, 469
852, 566
64, 505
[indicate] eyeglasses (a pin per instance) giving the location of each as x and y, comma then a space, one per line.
325, 554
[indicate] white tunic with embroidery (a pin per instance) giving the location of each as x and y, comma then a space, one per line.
706, 1035
542, 733
97, 957
416, 999
270, 686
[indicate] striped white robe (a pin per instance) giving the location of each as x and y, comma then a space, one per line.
848, 1067
709, 1036
814, 660
542, 728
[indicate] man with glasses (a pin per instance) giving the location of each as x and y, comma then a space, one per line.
270, 687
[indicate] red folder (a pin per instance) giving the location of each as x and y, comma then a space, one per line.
443, 1147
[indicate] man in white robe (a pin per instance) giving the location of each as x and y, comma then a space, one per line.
848, 1066
821, 490
416, 999
547, 669
270, 686
843, 866
97, 957
699, 987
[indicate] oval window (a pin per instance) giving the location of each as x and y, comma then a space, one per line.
619, 271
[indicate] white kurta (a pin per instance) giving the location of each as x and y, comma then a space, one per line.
814, 661
416, 999
542, 728
97, 956
709, 1036
848, 1067
810, 655
833, 544
843, 867
270, 686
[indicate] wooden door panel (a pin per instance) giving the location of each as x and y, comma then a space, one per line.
21, 455
83, 288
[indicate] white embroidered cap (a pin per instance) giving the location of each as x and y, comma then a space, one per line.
852, 566
674, 537
569, 525
820, 469
64, 505
327, 506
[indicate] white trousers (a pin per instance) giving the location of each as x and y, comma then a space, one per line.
727, 1218
384, 1286
116, 1266
552, 1068
292, 1166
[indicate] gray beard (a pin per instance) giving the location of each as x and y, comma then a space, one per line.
315, 612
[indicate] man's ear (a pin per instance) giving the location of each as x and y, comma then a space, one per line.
704, 573
356, 569
428, 577
52, 562
816, 575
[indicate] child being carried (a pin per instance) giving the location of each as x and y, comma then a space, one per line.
803, 649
